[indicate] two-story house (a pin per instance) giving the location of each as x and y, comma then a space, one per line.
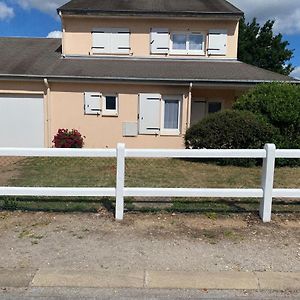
134, 71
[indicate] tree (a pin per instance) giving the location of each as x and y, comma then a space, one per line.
259, 46
279, 105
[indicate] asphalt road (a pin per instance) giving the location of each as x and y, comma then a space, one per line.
126, 294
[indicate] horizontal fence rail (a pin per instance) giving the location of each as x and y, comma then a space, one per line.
119, 191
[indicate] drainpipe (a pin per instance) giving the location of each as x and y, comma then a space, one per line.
189, 107
48, 114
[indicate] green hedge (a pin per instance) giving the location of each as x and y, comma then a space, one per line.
231, 130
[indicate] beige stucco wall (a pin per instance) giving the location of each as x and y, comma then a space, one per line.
64, 108
77, 36
67, 111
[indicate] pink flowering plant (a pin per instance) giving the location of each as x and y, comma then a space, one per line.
66, 138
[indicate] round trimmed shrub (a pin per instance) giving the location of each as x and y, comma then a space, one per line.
66, 138
231, 130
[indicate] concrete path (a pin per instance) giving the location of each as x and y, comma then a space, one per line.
140, 294
259, 281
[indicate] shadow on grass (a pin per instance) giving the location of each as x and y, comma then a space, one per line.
55, 204
204, 206
179, 205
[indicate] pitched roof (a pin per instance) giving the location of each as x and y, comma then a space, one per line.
33, 58
151, 7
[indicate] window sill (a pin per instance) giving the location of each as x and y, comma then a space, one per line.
110, 115
170, 133
172, 53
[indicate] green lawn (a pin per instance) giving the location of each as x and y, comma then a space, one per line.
101, 172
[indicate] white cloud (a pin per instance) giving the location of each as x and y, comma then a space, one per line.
54, 34
286, 13
296, 73
6, 12
47, 6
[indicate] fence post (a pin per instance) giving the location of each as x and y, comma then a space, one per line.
120, 182
267, 183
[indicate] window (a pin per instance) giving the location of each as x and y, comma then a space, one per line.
97, 104
171, 115
187, 43
110, 105
179, 41
159, 114
111, 41
213, 107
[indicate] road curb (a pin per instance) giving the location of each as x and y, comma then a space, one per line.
260, 281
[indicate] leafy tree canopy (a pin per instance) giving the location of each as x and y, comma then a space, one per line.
260, 47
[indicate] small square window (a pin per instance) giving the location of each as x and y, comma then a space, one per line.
110, 105
214, 107
111, 102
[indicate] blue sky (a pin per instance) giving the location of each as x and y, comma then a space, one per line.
38, 18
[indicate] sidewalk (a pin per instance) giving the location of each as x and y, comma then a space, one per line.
260, 281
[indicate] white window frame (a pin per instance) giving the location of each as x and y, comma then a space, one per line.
110, 112
168, 131
187, 51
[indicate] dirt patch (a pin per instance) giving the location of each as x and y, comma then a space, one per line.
154, 241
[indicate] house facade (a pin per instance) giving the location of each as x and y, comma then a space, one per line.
132, 71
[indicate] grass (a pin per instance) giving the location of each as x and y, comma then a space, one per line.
101, 172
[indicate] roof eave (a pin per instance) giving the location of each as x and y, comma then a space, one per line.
168, 81
187, 14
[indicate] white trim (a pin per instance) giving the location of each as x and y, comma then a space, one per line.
110, 112
168, 131
192, 192
57, 192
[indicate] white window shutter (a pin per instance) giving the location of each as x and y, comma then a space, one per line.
217, 42
92, 103
120, 41
149, 113
101, 41
160, 41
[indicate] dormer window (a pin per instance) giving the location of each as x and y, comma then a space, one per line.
187, 43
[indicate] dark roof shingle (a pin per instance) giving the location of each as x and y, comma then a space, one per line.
151, 7
39, 58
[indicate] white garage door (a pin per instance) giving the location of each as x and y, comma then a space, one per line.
21, 121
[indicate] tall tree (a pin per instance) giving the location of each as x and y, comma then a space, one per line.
260, 47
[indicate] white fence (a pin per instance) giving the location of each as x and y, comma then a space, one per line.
266, 192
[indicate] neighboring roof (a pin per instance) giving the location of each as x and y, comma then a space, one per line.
40, 58
191, 8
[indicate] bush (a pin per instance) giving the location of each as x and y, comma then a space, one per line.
68, 139
231, 130
278, 104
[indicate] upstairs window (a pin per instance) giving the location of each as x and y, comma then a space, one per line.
189, 43
111, 41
